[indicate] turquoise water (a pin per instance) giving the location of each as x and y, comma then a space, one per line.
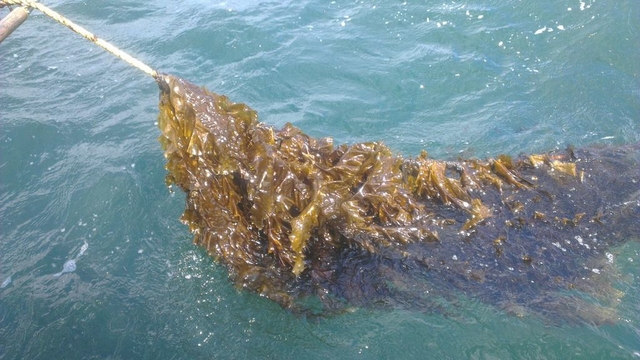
79, 162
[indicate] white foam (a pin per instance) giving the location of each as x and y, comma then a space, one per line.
609, 257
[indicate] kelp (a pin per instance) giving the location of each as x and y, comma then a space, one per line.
294, 217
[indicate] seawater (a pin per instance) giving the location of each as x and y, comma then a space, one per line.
79, 161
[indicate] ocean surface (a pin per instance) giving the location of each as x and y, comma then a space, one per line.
82, 174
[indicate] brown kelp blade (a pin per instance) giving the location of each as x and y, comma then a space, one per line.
293, 216
251, 186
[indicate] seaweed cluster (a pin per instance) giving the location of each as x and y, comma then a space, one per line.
294, 217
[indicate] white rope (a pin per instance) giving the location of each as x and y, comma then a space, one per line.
86, 34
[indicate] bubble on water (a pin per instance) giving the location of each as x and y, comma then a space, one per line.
540, 31
6, 282
83, 248
609, 257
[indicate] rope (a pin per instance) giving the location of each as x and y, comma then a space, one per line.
86, 34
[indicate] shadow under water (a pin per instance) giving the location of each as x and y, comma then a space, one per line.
321, 228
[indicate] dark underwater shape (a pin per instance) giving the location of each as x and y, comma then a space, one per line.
321, 228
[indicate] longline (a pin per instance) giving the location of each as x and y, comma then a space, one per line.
86, 34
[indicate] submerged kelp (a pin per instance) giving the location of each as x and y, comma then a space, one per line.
296, 218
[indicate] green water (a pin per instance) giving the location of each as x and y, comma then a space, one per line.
79, 161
